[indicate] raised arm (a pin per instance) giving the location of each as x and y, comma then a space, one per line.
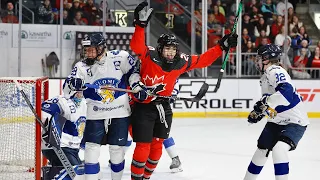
141, 19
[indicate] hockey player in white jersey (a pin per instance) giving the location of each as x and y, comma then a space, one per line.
108, 111
74, 111
287, 119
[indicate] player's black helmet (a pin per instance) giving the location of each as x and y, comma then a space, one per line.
269, 52
94, 40
167, 40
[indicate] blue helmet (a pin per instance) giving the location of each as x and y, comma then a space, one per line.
269, 52
97, 41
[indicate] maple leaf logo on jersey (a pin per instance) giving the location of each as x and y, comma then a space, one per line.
154, 84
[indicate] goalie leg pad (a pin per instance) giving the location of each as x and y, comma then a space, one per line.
117, 161
91, 158
59, 173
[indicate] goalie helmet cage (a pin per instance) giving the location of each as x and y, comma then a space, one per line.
20, 133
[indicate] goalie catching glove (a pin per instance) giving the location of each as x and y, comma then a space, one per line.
142, 15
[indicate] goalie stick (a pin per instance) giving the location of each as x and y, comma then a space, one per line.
203, 90
61, 155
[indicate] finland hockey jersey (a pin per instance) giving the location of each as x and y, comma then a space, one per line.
284, 98
115, 70
73, 128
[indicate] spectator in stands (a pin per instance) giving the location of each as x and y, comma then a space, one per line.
290, 15
255, 15
75, 8
262, 36
318, 44
281, 7
300, 63
299, 37
8, 16
245, 37
248, 25
280, 38
268, 9
97, 21
276, 26
314, 62
221, 9
79, 20
90, 11
66, 18
264, 41
250, 4
294, 24
45, 14
248, 59
220, 17
294, 3
261, 26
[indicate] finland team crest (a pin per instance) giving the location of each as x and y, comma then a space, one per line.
80, 125
107, 96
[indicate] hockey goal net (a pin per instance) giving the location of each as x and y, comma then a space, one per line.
20, 134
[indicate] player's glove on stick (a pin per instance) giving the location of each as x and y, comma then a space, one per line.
228, 41
142, 15
76, 84
141, 89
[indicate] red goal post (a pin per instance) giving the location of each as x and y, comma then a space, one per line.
20, 133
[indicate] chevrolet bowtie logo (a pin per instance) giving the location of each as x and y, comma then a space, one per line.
192, 88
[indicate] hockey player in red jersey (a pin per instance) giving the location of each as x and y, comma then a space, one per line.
159, 69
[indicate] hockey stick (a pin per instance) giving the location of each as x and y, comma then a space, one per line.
61, 155
203, 90
226, 57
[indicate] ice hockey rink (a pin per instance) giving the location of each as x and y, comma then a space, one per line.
221, 149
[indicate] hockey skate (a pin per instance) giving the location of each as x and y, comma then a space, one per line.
176, 165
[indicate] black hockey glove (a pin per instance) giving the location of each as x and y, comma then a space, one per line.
228, 41
141, 89
76, 84
254, 117
261, 107
142, 15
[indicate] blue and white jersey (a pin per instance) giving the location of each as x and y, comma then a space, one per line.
72, 132
115, 70
284, 98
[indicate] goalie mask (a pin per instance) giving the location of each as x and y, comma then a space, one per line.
93, 46
269, 53
168, 47
77, 98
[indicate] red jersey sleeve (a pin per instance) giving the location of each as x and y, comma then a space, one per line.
138, 44
205, 59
